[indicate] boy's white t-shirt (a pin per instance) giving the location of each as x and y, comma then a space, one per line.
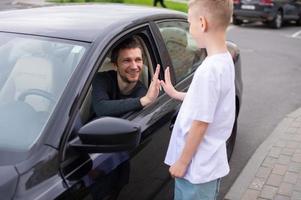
210, 98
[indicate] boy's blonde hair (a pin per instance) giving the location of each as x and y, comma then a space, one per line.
218, 12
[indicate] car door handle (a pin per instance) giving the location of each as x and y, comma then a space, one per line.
171, 126
173, 120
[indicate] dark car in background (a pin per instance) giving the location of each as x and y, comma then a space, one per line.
271, 12
51, 145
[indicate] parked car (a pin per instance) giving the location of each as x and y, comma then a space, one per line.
271, 12
48, 58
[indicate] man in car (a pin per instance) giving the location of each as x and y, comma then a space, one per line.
116, 93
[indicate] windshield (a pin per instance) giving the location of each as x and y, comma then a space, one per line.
33, 75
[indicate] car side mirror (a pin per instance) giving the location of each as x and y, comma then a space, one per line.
107, 134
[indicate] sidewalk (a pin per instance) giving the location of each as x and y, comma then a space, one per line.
274, 170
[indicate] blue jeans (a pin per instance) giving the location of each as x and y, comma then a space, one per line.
184, 190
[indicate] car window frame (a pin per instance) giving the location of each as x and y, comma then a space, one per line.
86, 83
67, 138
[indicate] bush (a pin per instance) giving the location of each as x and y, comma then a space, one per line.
82, 1
111, 1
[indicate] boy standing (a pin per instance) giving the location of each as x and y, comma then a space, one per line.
197, 151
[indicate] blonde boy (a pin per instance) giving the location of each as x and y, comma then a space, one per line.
197, 151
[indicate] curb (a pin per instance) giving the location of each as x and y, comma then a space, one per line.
248, 173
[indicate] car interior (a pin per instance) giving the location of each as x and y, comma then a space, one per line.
34, 80
36, 69
26, 98
38, 73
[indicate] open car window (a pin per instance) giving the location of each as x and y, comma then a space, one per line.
87, 112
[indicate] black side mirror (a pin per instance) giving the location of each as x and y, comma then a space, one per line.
106, 135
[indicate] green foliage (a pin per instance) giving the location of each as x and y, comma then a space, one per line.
170, 4
87, 1
112, 1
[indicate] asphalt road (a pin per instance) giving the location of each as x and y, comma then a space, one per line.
6, 4
271, 70
10, 5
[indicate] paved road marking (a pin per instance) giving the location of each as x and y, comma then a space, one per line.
296, 34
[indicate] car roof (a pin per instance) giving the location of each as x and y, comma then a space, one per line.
84, 22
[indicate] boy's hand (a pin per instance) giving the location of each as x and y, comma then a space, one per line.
167, 85
153, 90
178, 169
169, 88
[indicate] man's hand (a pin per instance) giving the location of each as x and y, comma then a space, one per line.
169, 88
153, 90
178, 169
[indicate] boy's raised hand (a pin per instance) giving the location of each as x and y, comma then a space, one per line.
153, 90
167, 85
169, 88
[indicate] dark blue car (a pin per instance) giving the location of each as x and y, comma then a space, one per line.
51, 144
271, 12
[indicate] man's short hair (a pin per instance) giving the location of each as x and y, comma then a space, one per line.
219, 12
129, 43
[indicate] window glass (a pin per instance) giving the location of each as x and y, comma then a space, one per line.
33, 75
182, 48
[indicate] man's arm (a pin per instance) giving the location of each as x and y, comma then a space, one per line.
116, 108
103, 105
193, 140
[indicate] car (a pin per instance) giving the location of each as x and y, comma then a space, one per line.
51, 146
271, 12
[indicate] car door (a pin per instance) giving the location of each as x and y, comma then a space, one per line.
291, 10
151, 178
103, 175
297, 9
148, 173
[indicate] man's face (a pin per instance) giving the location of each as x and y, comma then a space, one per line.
129, 64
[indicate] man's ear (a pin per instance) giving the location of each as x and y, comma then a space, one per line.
114, 64
204, 24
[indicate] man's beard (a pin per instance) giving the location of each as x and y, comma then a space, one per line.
126, 80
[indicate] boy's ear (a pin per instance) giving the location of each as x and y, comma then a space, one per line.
204, 24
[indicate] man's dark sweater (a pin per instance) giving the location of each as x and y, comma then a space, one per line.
107, 100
